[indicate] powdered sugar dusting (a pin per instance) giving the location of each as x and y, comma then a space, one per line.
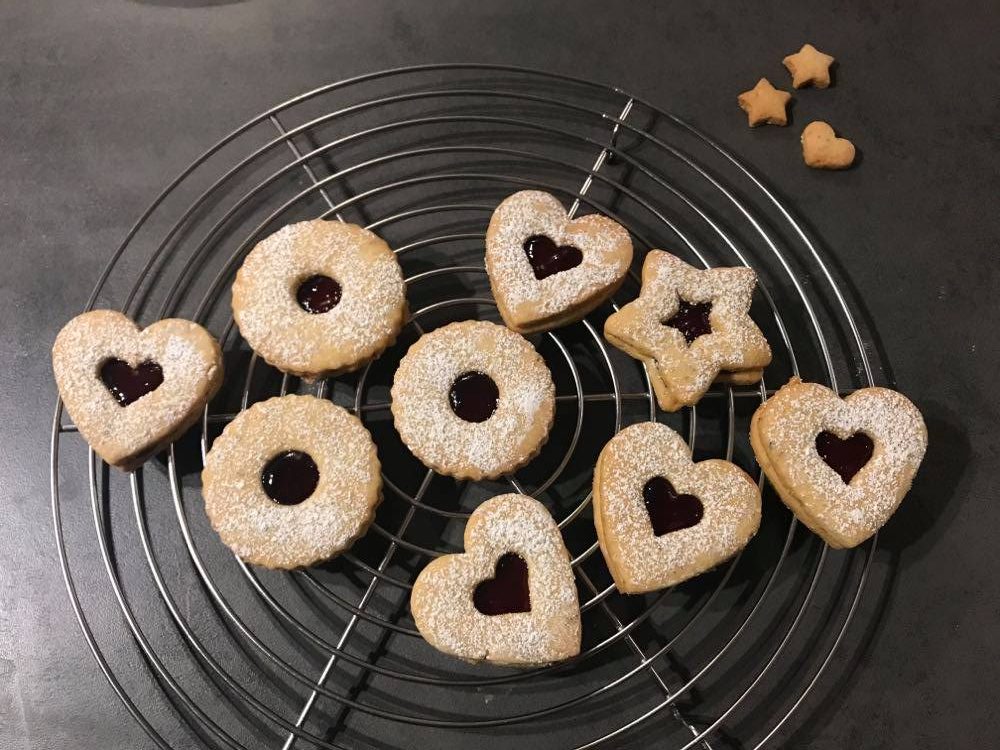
442, 601
366, 320
641, 561
192, 372
285, 536
605, 245
735, 343
449, 444
788, 425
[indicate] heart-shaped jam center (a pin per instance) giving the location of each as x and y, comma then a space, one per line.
669, 511
127, 383
846, 457
507, 591
474, 396
318, 294
547, 258
290, 477
691, 319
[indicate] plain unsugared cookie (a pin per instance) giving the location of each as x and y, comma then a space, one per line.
809, 67
473, 400
691, 327
319, 298
132, 391
661, 518
546, 270
841, 465
764, 104
822, 149
510, 598
291, 481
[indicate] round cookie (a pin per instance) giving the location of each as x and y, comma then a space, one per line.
133, 391
546, 270
473, 400
510, 598
661, 518
319, 298
291, 481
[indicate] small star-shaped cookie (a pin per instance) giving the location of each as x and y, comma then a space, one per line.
809, 67
690, 327
765, 104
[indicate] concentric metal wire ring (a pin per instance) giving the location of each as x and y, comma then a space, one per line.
302, 162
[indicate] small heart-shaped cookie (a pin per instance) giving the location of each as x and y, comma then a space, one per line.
510, 598
841, 465
822, 149
132, 391
661, 518
547, 271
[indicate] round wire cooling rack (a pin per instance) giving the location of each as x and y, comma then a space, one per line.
204, 650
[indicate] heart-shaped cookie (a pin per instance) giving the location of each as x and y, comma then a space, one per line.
841, 465
510, 598
547, 271
132, 391
661, 518
822, 149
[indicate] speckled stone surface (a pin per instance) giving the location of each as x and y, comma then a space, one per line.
104, 101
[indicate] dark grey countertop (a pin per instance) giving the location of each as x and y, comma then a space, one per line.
103, 102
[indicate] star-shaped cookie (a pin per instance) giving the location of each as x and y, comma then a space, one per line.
690, 327
765, 104
809, 67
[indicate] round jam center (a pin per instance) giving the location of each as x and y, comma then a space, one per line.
507, 591
474, 396
290, 477
127, 383
669, 511
318, 294
691, 319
